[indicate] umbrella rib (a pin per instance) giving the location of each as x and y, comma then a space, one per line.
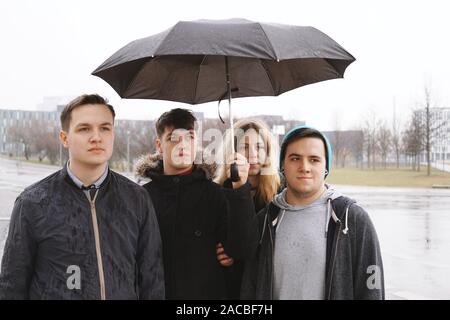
136, 74
198, 75
268, 42
263, 64
162, 40
329, 62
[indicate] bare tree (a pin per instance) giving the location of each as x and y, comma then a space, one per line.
52, 145
396, 138
144, 139
336, 140
427, 129
357, 147
46, 143
384, 141
432, 124
21, 136
369, 129
345, 152
413, 139
367, 143
132, 140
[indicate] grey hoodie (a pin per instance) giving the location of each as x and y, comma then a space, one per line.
353, 264
300, 248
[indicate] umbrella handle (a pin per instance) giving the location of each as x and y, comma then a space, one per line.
234, 173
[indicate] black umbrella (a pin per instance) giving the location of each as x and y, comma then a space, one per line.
207, 60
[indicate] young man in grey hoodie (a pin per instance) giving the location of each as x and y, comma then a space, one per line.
315, 243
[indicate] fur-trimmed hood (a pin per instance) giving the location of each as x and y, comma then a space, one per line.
152, 164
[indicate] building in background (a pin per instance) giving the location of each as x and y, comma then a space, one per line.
17, 126
279, 126
439, 134
26, 134
52, 103
347, 147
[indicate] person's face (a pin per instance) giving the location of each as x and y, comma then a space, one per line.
252, 146
304, 166
178, 148
90, 137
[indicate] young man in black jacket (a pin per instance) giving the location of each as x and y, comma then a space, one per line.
84, 232
315, 243
194, 213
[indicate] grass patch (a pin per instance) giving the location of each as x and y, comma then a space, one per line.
390, 177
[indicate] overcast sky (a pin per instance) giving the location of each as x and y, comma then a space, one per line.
50, 48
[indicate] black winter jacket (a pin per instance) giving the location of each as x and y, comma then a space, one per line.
195, 214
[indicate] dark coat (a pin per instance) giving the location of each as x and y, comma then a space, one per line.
52, 228
195, 214
235, 272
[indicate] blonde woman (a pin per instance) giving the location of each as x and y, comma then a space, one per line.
254, 141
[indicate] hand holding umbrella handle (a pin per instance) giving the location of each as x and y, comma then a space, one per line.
234, 173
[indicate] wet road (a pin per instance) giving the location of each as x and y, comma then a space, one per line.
413, 227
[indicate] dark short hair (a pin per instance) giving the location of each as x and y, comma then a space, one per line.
177, 118
299, 134
82, 100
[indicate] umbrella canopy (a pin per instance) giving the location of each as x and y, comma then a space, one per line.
207, 60
188, 62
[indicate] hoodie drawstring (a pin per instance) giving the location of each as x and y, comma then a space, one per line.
279, 222
330, 212
328, 216
335, 218
346, 220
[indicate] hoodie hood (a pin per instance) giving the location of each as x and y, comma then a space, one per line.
280, 199
329, 195
152, 164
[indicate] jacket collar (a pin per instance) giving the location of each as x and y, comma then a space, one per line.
151, 166
340, 206
66, 177
79, 183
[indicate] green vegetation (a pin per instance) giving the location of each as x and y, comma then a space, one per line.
390, 177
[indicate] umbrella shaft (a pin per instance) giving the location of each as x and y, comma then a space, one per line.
229, 104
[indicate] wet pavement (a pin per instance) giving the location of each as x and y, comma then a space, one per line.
413, 227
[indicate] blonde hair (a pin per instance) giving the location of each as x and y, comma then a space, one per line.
269, 180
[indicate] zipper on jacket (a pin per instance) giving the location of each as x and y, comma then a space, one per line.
273, 257
98, 251
333, 258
